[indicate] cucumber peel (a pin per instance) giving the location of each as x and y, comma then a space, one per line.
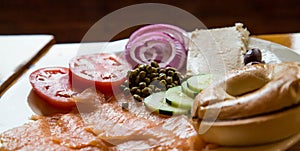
186, 90
175, 97
156, 102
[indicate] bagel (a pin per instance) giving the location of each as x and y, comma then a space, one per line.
250, 91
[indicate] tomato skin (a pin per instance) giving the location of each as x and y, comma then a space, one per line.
101, 71
52, 85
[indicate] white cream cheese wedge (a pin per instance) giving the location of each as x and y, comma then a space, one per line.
217, 50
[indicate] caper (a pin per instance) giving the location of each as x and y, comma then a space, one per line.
170, 69
154, 64
149, 90
155, 79
137, 79
131, 84
149, 69
170, 73
133, 73
162, 71
133, 89
137, 98
153, 75
163, 82
177, 76
176, 82
147, 80
151, 86
154, 70
142, 74
142, 85
146, 91
126, 91
126, 82
122, 87
162, 76
169, 86
138, 91
169, 79
142, 67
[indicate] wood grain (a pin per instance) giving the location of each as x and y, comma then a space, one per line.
68, 20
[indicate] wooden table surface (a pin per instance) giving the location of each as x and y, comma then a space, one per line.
64, 52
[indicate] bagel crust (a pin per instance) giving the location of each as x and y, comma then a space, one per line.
250, 91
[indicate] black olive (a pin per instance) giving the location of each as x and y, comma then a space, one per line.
252, 55
254, 62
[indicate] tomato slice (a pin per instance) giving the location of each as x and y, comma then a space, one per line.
52, 85
102, 71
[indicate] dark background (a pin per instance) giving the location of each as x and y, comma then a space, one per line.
68, 20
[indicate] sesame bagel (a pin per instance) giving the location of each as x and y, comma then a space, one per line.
251, 91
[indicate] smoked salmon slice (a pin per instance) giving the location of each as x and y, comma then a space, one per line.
102, 124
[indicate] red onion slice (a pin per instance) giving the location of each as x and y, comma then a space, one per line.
156, 46
173, 31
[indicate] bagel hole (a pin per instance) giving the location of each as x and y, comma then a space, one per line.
247, 83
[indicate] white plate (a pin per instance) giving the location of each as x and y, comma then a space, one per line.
22, 48
15, 109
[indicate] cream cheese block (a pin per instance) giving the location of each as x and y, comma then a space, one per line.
217, 51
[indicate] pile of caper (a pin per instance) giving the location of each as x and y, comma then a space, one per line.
147, 79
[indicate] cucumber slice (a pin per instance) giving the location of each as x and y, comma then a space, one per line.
187, 90
175, 97
156, 102
199, 82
